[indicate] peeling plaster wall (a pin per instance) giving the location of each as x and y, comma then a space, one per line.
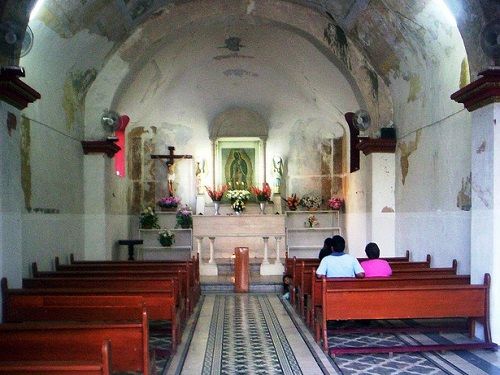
11, 225
433, 153
174, 98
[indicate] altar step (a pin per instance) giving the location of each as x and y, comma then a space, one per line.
225, 284
226, 266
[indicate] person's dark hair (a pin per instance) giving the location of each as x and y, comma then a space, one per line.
372, 250
328, 243
338, 244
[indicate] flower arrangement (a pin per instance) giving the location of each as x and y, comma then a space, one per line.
169, 202
216, 194
149, 219
238, 195
262, 195
166, 238
310, 201
184, 217
335, 203
292, 202
238, 205
311, 222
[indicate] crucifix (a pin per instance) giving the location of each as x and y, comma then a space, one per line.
170, 166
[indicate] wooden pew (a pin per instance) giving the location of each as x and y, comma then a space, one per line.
52, 363
314, 286
185, 291
148, 288
295, 266
409, 302
80, 340
190, 267
302, 272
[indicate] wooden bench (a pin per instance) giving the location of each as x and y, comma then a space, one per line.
52, 363
409, 302
80, 341
313, 286
185, 292
146, 287
191, 268
295, 266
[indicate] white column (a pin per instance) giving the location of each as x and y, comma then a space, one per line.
381, 203
275, 268
278, 241
210, 268
482, 98
96, 246
266, 247
198, 245
485, 213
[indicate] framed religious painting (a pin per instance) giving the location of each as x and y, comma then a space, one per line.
239, 162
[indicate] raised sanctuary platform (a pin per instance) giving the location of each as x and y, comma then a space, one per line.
216, 236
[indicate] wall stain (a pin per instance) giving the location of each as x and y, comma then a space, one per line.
481, 148
484, 195
464, 73
26, 161
464, 195
374, 82
75, 89
406, 150
239, 73
387, 209
232, 56
415, 88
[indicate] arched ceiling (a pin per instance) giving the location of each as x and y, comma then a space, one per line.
375, 44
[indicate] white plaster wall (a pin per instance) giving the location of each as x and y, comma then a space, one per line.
10, 200
428, 220
434, 138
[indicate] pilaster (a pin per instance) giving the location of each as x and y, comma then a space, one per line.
482, 98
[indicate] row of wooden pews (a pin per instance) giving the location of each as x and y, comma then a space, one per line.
89, 309
414, 291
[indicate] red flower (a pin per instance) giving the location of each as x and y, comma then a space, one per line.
263, 194
216, 195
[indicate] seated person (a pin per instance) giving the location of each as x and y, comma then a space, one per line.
375, 267
327, 248
286, 286
339, 264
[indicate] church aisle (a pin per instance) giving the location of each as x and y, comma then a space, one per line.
261, 334
247, 334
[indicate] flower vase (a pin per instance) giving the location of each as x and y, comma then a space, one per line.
216, 208
262, 206
168, 209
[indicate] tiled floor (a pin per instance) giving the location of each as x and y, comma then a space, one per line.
261, 334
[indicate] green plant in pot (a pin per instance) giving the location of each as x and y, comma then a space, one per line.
166, 238
184, 217
149, 219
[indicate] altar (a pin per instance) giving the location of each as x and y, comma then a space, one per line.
216, 236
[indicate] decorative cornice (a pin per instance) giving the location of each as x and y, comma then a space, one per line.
108, 147
377, 145
16, 92
483, 91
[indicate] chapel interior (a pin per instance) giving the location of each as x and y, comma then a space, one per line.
108, 106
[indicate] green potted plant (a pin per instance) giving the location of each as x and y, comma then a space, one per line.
184, 217
149, 219
166, 237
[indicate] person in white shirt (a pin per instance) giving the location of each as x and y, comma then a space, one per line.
339, 264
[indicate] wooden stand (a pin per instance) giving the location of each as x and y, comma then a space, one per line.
241, 270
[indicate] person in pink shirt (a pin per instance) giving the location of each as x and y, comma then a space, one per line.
375, 267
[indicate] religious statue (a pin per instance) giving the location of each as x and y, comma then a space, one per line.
171, 179
199, 173
238, 172
278, 172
